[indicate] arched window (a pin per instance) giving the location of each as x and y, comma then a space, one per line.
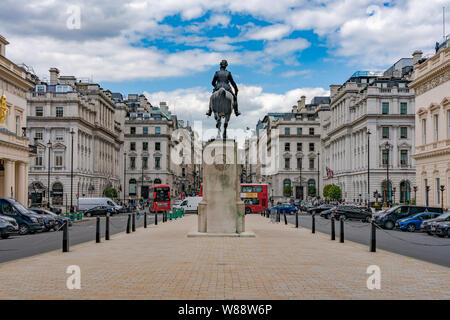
312, 187
405, 192
57, 194
132, 188
287, 187
157, 181
386, 193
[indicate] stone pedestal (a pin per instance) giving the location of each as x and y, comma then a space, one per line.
221, 212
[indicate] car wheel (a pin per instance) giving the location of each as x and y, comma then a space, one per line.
247, 210
429, 233
87, 214
389, 225
292, 212
367, 219
57, 226
23, 229
343, 217
5, 236
448, 232
411, 227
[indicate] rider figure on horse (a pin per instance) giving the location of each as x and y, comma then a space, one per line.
222, 79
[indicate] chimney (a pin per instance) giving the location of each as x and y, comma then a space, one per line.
417, 55
54, 73
334, 89
163, 106
301, 103
3, 44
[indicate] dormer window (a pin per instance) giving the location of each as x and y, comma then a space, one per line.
41, 88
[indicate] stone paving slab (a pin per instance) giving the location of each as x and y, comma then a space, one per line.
281, 262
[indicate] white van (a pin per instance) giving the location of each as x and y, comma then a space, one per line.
88, 203
190, 204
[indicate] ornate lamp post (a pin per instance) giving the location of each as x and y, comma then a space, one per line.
415, 194
386, 189
49, 146
72, 133
124, 175
442, 188
318, 175
427, 190
368, 167
393, 193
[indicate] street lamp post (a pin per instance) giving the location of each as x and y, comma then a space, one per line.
427, 190
49, 146
442, 188
72, 133
318, 175
386, 189
368, 167
393, 193
415, 194
300, 179
142, 178
124, 175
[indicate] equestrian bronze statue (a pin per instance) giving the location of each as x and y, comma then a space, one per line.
223, 98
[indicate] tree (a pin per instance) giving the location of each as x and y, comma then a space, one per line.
287, 190
326, 190
312, 190
110, 192
335, 192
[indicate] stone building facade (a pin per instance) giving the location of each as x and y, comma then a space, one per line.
15, 81
432, 153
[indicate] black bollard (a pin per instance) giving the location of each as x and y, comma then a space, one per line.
285, 219
313, 227
296, 219
65, 237
133, 222
97, 231
341, 234
373, 238
128, 223
156, 218
145, 220
107, 228
333, 233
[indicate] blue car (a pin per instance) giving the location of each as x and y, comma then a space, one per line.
285, 208
414, 223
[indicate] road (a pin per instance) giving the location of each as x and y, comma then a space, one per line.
412, 244
17, 247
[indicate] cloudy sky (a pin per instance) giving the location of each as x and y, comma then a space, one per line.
277, 50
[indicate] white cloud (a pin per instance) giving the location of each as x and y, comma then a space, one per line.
295, 73
272, 32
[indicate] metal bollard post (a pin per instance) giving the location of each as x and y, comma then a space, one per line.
97, 231
313, 227
296, 219
285, 219
133, 222
333, 233
128, 223
373, 238
341, 234
107, 228
156, 218
145, 220
65, 237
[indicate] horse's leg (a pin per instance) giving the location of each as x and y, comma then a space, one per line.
225, 125
218, 124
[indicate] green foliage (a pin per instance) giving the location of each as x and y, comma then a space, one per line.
110, 192
335, 192
287, 190
312, 191
326, 190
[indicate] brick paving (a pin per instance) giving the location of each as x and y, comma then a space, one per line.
280, 263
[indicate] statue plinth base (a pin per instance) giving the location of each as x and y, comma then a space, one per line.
247, 234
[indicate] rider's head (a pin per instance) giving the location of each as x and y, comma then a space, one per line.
223, 64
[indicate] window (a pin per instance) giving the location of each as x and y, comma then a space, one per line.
144, 162
157, 162
311, 131
133, 130
385, 132
424, 131
17, 125
403, 132
403, 108
299, 146
385, 157
132, 187
246, 189
299, 131
133, 146
438, 191
132, 162
38, 160
39, 111
58, 159
436, 127
287, 163
157, 130
38, 135
157, 146
145, 130
311, 147
144, 146
404, 158
287, 131
311, 163
183, 172
59, 112
59, 134
385, 108
287, 146
299, 163
257, 189
41, 88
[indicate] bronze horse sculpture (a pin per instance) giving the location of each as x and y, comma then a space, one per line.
223, 99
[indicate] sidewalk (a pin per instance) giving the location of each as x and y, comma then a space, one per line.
280, 263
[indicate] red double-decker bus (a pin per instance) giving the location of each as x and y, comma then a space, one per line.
255, 197
160, 198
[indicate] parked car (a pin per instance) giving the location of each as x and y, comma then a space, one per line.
387, 219
28, 222
285, 208
352, 212
85, 204
319, 209
441, 229
99, 211
50, 221
426, 225
190, 204
335, 210
59, 221
305, 205
414, 223
8, 226
297, 203
49, 208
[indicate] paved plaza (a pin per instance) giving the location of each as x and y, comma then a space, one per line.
281, 262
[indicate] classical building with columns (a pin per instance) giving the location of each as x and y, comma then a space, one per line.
372, 120
432, 88
15, 81
72, 120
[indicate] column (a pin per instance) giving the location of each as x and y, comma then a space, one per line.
21, 183
9, 180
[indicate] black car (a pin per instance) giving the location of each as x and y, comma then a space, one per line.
426, 225
387, 219
305, 205
59, 221
8, 226
441, 229
350, 213
335, 210
27, 221
320, 208
48, 208
99, 211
